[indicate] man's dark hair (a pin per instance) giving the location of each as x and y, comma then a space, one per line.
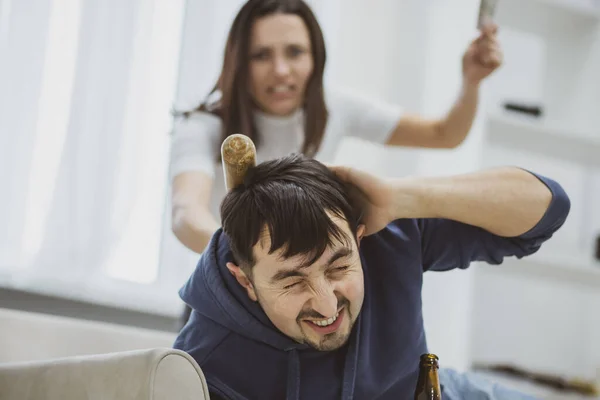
294, 197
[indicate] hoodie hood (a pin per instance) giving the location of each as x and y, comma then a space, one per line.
213, 292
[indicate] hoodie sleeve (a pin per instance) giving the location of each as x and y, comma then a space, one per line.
447, 244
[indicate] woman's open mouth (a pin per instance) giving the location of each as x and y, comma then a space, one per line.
282, 92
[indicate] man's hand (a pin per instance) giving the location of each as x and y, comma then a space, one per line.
380, 198
483, 56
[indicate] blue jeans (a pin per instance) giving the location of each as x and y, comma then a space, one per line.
467, 386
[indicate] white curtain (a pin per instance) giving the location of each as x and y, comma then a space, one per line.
86, 91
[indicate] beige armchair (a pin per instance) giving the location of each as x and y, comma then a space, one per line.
157, 374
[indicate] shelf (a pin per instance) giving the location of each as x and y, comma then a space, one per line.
509, 129
549, 16
557, 267
584, 8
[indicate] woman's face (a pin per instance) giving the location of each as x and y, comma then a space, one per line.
281, 63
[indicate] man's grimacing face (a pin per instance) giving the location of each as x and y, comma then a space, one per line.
315, 304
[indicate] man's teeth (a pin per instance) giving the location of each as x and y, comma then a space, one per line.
326, 321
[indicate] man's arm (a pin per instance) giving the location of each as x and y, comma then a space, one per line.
488, 216
481, 216
504, 201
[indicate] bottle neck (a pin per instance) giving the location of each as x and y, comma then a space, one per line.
428, 383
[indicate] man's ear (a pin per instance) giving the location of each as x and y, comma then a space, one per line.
360, 233
243, 280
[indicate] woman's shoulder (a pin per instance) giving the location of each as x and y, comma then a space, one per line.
346, 99
350, 103
197, 123
361, 115
346, 104
336, 96
195, 141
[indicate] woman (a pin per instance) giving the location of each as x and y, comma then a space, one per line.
271, 89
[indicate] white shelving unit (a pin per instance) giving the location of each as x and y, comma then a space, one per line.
542, 311
543, 14
510, 129
552, 60
581, 8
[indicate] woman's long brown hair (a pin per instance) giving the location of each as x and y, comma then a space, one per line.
235, 105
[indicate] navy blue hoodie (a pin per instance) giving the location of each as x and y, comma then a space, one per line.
244, 356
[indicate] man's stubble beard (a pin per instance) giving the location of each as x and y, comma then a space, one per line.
325, 345
333, 341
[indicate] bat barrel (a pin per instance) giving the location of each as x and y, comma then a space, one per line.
238, 154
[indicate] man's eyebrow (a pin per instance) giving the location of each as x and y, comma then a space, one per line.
288, 273
340, 253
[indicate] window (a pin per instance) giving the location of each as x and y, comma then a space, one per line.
86, 93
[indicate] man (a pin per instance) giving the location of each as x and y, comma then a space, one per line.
307, 293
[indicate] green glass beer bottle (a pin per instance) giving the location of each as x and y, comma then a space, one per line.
428, 384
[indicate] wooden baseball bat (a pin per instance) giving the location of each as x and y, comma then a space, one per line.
238, 154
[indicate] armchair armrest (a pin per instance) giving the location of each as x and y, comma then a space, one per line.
157, 374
